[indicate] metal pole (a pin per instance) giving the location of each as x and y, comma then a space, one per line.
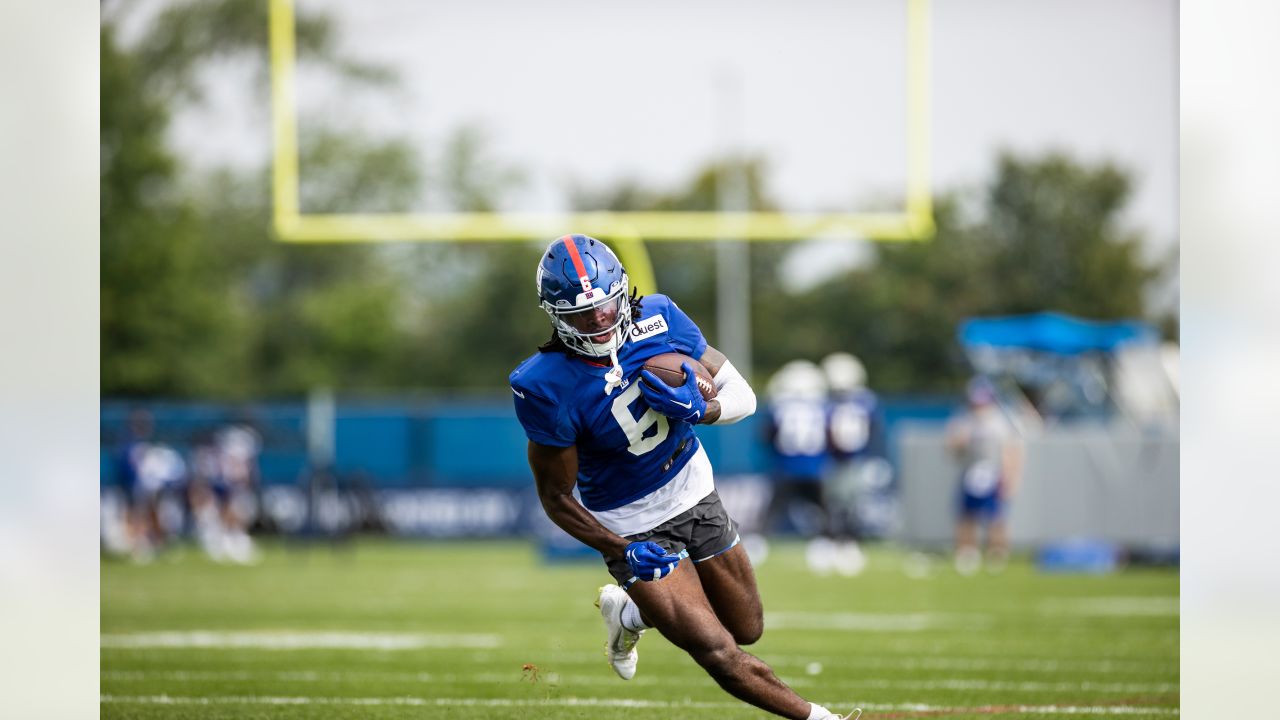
733, 269
733, 259
320, 427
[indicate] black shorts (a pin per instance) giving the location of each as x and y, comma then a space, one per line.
704, 531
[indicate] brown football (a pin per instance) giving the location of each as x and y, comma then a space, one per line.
667, 367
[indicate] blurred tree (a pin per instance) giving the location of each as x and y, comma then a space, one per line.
196, 298
472, 339
1046, 236
163, 322
1055, 227
472, 306
184, 37
472, 180
323, 315
899, 314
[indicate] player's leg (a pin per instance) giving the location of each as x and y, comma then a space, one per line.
971, 507
779, 504
729, 582
997, 537
678, 608
820, 551
725, 571
968, 558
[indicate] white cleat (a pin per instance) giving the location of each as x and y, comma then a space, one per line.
621, 645
857, 713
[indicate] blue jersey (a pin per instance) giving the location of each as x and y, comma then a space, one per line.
799, 433
854, 424
626, 449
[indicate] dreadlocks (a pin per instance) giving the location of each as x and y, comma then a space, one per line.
636, 298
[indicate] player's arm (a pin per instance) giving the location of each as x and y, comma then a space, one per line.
734, 399
555, 470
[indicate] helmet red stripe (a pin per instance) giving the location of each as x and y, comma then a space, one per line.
574, 256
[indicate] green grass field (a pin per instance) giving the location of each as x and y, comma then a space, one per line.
443, 630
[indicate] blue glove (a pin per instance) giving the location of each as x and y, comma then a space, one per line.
649, 561
680, 403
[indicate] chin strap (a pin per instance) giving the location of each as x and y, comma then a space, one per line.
613, 378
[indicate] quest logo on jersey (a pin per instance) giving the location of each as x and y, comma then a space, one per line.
648, 327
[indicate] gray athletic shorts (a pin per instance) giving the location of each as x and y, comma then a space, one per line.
704, 530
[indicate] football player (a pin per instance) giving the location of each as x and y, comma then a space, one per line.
855, 436
147, 468
797, 428
596, 421
990, 455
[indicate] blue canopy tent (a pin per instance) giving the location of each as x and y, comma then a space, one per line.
1062, 360
1053, 332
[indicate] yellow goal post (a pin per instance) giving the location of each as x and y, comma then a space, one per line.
628, 231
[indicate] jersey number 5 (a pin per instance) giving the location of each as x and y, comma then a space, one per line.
635, 429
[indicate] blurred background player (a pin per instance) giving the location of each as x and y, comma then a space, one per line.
224, 476
797, 430
990, 455
146, 469
619, 467
855, 437
128, 531
238, 447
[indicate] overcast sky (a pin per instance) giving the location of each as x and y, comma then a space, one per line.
592, 91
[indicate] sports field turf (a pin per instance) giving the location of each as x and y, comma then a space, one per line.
444, 630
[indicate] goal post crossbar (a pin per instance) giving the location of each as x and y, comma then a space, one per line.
913, 222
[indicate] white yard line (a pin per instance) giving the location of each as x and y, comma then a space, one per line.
438, 679
1166, 606
410, 701
615, 703
898, 662
286, 640
1094, 710
872, 622
554, 678
1035, 665
1017, 686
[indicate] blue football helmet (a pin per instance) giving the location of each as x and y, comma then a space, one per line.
583, 288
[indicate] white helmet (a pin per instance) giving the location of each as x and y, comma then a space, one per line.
798, 379
844, 372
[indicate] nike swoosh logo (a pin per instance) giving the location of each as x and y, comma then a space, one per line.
687, 406
518, 393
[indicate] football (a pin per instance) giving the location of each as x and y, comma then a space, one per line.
667, 366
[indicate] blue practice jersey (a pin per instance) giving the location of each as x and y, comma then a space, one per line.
798, 427
626, 449
854, 424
